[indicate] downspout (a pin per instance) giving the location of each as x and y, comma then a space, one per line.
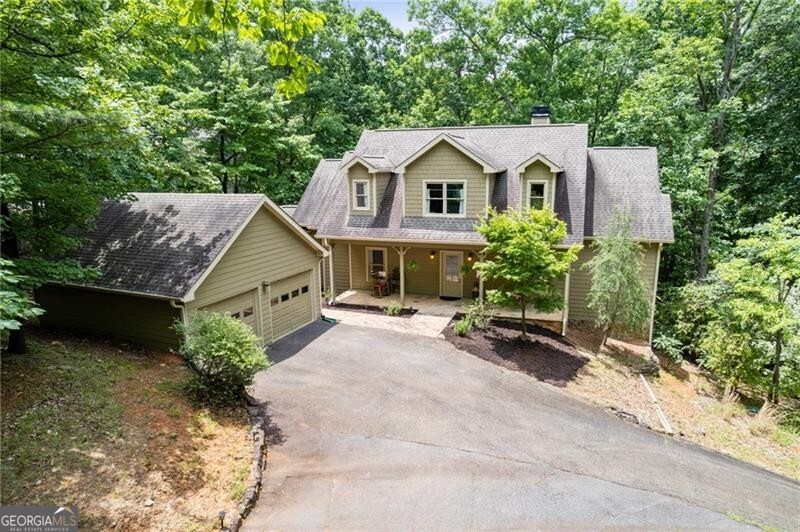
174, 303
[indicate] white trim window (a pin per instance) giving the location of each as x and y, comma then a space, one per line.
376, 262
361, 195
537, 194
445, 198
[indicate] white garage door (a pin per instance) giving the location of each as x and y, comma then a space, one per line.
242, 306
290, 303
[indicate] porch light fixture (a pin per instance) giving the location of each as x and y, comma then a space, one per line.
469, 257
432, 255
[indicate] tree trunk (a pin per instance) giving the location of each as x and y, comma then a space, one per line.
776, 370
523, 328
711, 196
10, 250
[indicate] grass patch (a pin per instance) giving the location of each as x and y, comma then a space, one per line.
61, 405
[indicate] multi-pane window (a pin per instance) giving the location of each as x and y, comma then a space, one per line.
361, 195
376, 261
537, 195
444, 199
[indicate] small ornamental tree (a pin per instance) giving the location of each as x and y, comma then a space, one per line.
618, 293
522, 261
757, 316
224, 354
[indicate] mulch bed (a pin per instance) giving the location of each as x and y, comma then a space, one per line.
372, 309
546, 355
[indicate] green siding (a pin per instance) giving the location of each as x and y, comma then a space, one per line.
538, 171
142, 320
266, 251
359, 172
444, 162
580, 280
424, 281
341, 268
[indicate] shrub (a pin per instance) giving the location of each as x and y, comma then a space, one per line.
224, 354
462, 327
392, 309
479, 313
670, 347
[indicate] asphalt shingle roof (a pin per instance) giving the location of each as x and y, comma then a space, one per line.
161, 244
594, 182
627, 179
323, 206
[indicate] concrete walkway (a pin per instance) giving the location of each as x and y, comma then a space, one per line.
378, 430
433, 314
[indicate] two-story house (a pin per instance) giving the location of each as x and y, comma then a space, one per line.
406, 201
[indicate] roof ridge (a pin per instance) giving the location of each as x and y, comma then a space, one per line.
490, 126
622, 148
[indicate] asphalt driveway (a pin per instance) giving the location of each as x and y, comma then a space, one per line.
375, 429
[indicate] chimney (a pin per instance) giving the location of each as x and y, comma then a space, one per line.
540, 115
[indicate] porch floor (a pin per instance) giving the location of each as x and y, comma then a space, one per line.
434, 306
428, 305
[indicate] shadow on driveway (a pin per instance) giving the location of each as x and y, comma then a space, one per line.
289, 346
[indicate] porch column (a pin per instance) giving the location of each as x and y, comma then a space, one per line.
401, 252
481, 256
330, 270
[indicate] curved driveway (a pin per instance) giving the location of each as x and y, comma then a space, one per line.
380, 430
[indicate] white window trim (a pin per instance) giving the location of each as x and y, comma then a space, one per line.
546, 184
425, 211
366, 260
354, 204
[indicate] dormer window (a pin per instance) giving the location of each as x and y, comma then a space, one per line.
361, 195
537, 194
444, 198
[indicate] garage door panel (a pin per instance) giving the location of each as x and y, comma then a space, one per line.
242, 306
290, 304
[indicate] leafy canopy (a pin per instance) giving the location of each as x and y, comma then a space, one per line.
757, 313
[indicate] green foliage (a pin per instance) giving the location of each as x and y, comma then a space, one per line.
669, 346
521, 259
16, 305
462, 327
224, 354
479, 313
618, 293
392, 309
412, 266
272, 23
755, 322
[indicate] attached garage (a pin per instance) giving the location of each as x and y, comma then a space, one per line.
162, 257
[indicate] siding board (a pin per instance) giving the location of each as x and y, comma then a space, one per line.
443, 161
141, 320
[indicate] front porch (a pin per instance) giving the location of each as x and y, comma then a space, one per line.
436, 279
435, 306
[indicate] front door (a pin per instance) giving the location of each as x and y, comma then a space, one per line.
450, 284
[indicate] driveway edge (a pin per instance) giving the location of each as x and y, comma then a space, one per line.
258, 422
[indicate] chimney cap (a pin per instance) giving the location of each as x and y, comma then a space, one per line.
540, 110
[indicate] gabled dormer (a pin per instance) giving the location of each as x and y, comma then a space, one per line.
366, 181
447, 177
537, 184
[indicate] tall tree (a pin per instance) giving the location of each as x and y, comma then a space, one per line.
756, 315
